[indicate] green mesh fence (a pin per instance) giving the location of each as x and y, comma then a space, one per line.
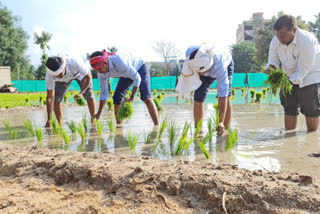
255, 81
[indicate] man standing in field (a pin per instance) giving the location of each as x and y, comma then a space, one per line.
298, 51
60, 74
202, 66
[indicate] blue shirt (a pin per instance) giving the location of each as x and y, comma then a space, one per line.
120, 67
219, 69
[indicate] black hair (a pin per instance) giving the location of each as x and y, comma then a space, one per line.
193, 53
287, 21
54, 63
96, 53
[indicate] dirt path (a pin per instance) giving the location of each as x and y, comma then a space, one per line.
40, 180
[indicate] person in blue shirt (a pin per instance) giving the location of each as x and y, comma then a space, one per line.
204, 65
132, 71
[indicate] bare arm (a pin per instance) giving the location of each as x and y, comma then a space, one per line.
49, 105
86, 84
222, 106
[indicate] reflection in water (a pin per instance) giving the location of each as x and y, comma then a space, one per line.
271, 148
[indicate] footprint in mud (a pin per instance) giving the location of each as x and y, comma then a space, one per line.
314, 155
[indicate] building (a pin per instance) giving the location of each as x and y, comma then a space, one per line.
248, 29
5, 78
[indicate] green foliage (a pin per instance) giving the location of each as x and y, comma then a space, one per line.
163, 93
81, 131
233, 91
157, 103
111, 125
198, 127
125, 111
173, 130
72, 126
110, 104
148, 137
252, 92
243, 54
315, 27
183, 142
210, 128
277, 79
65, 98
13, 133
258, 96
155, 92
232, 139
80, 101
85, 123
42, 40
202, 144
99, 127
13, 46
65, 136
243, 90
28, 125
162, 128
264, 91
39, 133
132, 140
56, 128
160, 97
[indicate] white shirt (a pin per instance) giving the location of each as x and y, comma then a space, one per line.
300, 60
76, 68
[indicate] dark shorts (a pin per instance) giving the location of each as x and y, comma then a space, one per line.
306, 99
61, 89
201, 93
124, 85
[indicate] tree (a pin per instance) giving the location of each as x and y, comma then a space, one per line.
168, 52
13, 45
243, 56
315, 27
42, 40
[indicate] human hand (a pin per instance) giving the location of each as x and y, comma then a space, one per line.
96, 116
78, 96
220, 129
129, 100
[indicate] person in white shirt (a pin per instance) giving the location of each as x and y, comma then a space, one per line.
60, 74
298, 52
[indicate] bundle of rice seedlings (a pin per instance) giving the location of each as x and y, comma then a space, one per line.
80, 101
65, 136
277, 79
14, 133
157, 103
72, 126
81, 131
111, 125
132, 140
56, 128
160, 97
252, 92
85, 122
99, 127
258, 96
28, 125
173, 129
233, 91
163, 93
243, 90
39, 133
125, 111
154, 92
232, 139
183, 142
264, 91
162, 128
110, 104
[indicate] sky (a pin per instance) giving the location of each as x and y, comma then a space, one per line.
79, 27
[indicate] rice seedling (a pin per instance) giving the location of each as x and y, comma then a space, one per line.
72, 126
173, 129
80, 101
162, 128
110, 104
13, 133
125, 111
204, 150
198, 128
65, 136
264, 91
157, 103
232, 139
183, 142
158, 141
210, 128
6, 124
99, 127
215, 117
65, 98
56, 128
160, 97
148, 138
81, 131
233, 91
85, 122
111, 125
243, 90
132, 140
39, 133
26, 100
258, 96
155, 92
163, 93
28, 125
252, 92
277, 79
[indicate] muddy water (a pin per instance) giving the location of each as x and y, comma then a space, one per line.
270, 147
